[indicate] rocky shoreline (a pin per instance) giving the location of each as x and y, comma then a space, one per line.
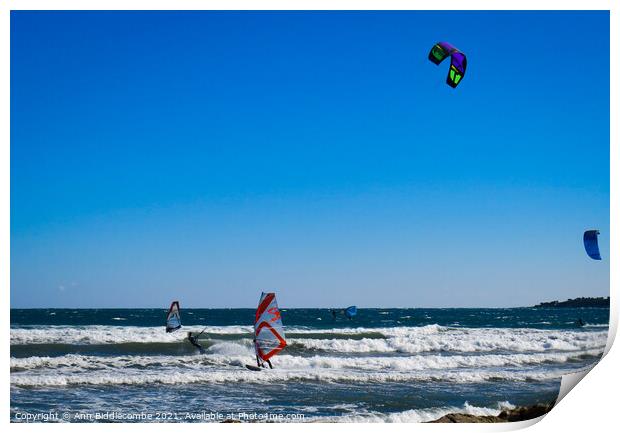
510, 415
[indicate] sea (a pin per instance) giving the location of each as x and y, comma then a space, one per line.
384, 365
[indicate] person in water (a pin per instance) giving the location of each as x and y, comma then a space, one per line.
258, 360
194, 341
580, 322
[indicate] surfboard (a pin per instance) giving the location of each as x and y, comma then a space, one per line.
252, 367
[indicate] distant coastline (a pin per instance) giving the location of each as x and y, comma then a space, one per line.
577, 303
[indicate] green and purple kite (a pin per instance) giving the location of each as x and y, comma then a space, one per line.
458, 61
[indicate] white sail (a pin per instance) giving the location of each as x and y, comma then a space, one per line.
173, 319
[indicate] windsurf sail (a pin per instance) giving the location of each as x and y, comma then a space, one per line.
173, 319
269, 338
350, 311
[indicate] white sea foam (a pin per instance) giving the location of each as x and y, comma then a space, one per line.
464, 340
100, 334
431, 338
358, 355
417, 415
194, 374
235, 354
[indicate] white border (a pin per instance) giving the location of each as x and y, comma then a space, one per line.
591, 408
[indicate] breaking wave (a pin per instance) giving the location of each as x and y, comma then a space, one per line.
406, 340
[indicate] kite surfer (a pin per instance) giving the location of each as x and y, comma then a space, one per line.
194, 341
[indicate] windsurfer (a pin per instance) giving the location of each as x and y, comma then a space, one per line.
268, 336
259, 362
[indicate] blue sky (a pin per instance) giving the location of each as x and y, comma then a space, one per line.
206, 156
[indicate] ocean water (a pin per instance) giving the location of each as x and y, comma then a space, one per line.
385, 365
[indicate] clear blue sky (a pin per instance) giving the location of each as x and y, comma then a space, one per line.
206, 156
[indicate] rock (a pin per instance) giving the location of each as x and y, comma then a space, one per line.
465, 417
511, 415
525, 413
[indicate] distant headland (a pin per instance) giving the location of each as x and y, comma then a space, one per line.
577, 303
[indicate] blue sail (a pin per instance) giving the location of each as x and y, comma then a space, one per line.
590, 242
350, 311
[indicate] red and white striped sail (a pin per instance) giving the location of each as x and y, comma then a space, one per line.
268, 330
